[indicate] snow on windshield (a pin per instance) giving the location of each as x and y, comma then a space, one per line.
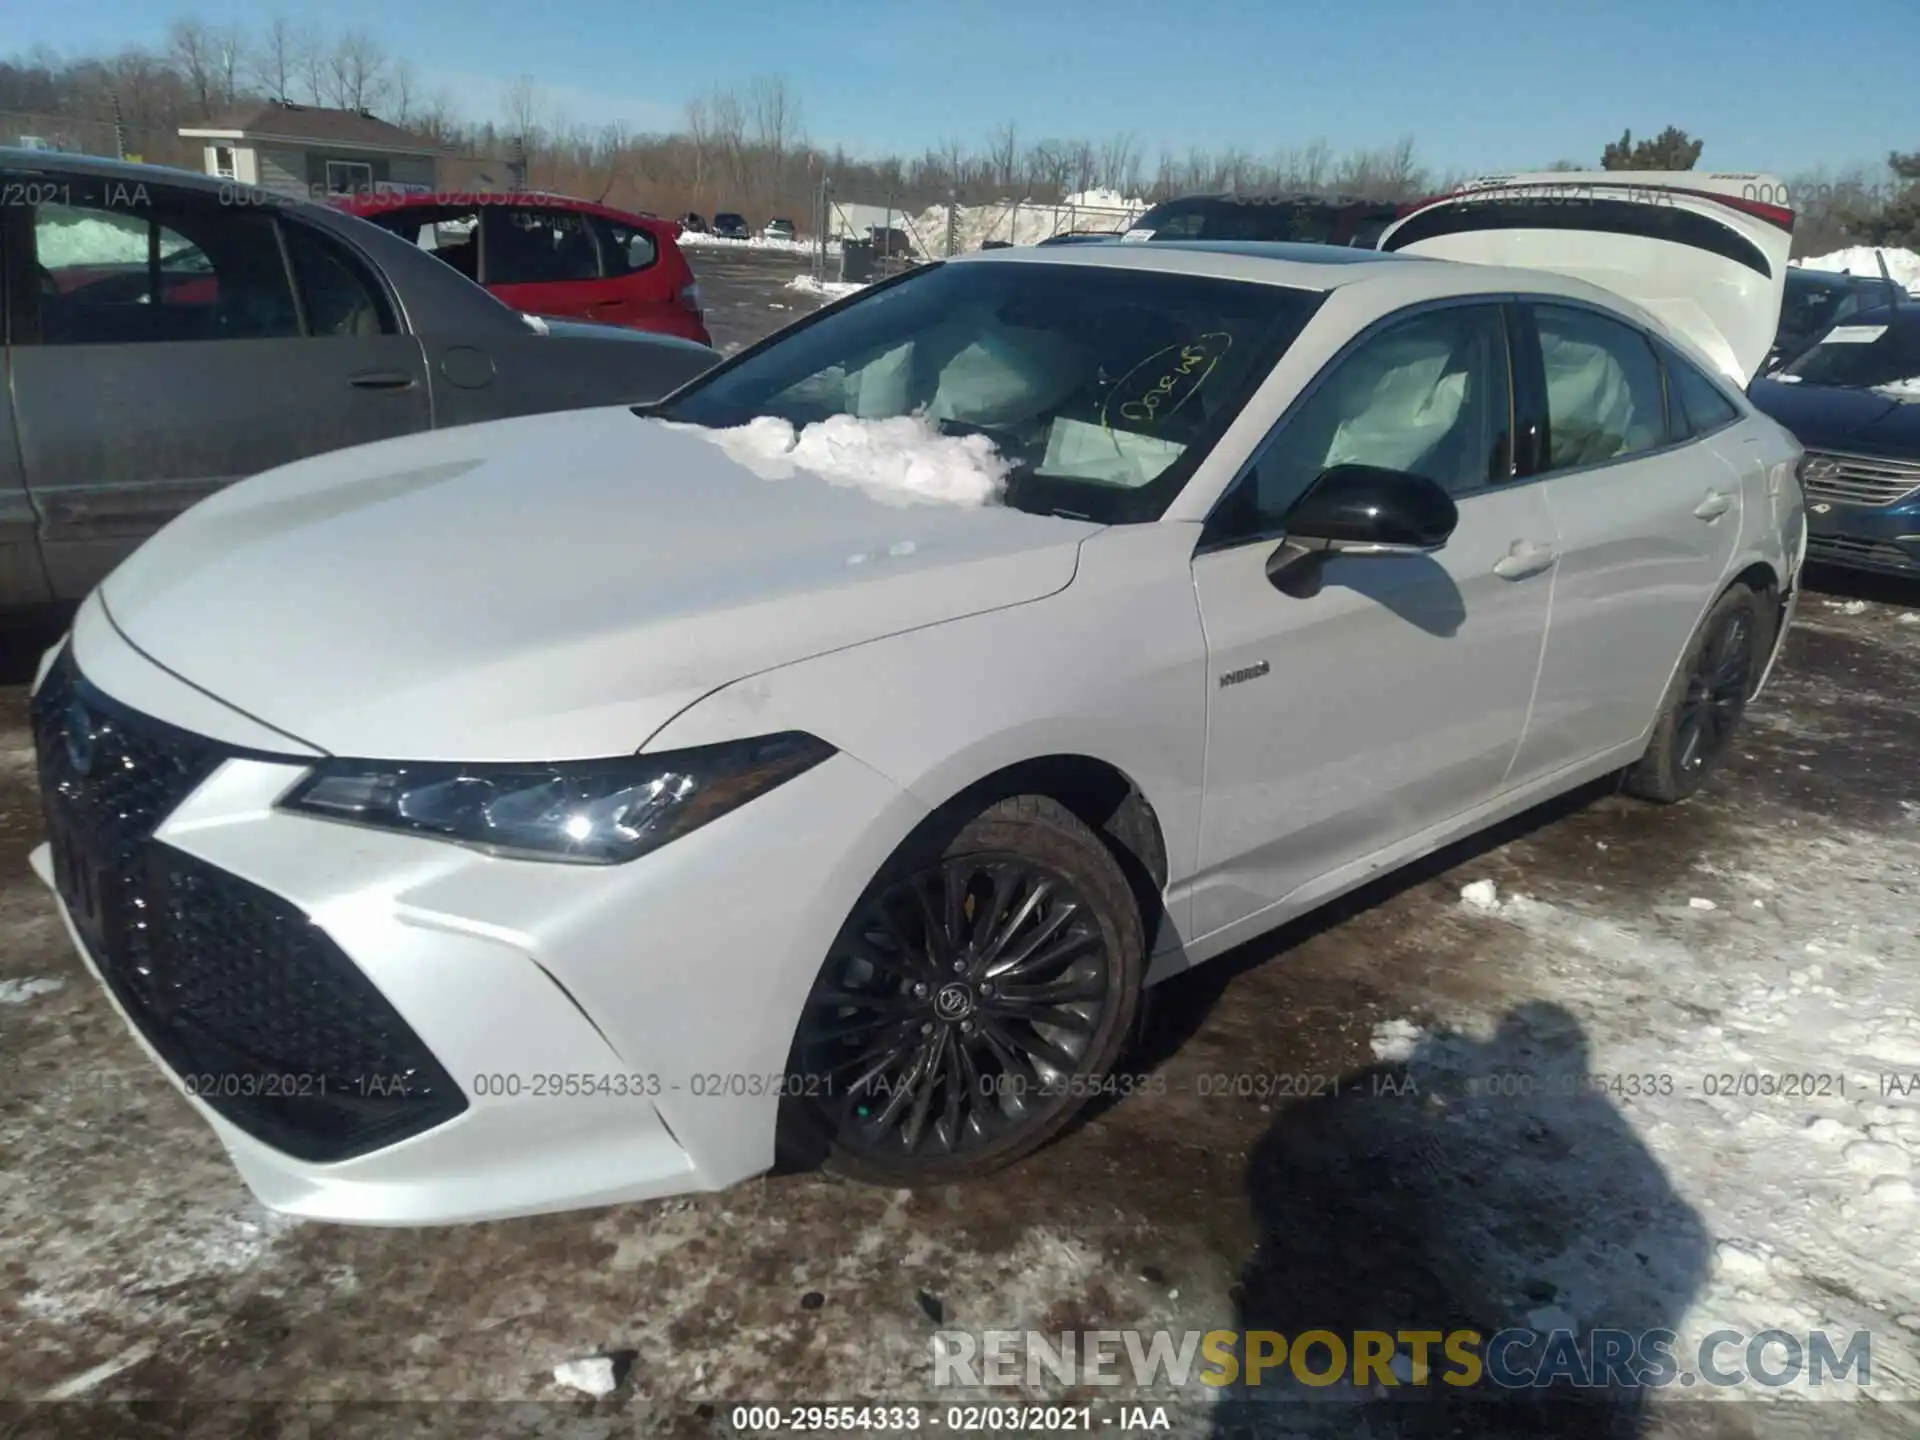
902, 461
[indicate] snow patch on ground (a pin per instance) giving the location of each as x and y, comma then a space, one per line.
19, 992
1395, 1041
1788, 1117
832, 289
902, 461
594, 1376
1902, 265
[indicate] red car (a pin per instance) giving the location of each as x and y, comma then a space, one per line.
554, 256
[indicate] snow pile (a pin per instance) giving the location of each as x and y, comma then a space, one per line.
89, 240
832, 289
1902, 265
19, 992
701, 241
595, 1376
902, 461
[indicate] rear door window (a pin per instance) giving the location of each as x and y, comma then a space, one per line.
129, 271
340, 297
625, 248
531, 245
1695, 405
1605, 399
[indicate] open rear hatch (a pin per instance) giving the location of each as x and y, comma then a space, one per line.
1706, 253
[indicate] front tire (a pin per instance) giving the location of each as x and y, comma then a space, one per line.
1704, 705
972, 1003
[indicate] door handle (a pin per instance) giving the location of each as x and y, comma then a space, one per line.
1524, 559
382, 380
1717, 503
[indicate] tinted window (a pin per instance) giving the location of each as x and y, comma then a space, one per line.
531, 247
1429, 395
136, 272
627, 247
341, 298
1103, 388
1695, 404
1604, 395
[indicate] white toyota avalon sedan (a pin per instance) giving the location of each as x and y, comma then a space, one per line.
577, 809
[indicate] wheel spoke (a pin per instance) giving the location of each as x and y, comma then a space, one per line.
909, 964
1036, 897
1042, 956
1062, 991
1052, 1015
955, 881
926, 1080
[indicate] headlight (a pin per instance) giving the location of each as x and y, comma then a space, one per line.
596, 812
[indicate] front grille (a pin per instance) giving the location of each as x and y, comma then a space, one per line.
1861, 554
1858, 479
251, 1003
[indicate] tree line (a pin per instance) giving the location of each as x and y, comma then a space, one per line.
745, 147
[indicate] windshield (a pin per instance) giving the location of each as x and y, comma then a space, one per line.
1812, 302
1875, 350
1103, 388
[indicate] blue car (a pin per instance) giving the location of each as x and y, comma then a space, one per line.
1853, 400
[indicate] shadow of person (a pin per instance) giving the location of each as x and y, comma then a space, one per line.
1484, 1185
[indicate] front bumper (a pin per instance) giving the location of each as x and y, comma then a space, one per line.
610, 1033
1882, 539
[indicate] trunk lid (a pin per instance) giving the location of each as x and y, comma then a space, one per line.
1706, 253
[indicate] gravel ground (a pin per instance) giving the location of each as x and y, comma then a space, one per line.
136, 1267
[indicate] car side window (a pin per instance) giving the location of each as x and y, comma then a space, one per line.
626, 248
1430, 395
1604, 396
1696, 405
532, 246
127, 271
340, 297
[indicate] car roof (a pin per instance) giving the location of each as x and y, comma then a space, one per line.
133, 172
437, 199
1298, 265
1407, 279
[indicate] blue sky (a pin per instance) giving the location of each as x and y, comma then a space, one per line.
1480, 86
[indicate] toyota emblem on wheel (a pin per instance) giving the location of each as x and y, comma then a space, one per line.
954, 1002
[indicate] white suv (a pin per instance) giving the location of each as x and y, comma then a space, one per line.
557, 811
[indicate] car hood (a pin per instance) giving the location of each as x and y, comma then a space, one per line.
555, 587
1829, 417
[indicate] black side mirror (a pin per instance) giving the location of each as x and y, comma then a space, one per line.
1362, 510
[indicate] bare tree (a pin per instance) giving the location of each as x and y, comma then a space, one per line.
399, 89
520, 109
193, 50
312, 57
1003, 147
277, 57
356, 70
230, 59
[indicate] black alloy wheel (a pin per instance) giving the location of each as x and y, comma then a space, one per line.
969, 1006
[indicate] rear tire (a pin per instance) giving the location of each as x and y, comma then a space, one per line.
972, 1003
1703, 706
